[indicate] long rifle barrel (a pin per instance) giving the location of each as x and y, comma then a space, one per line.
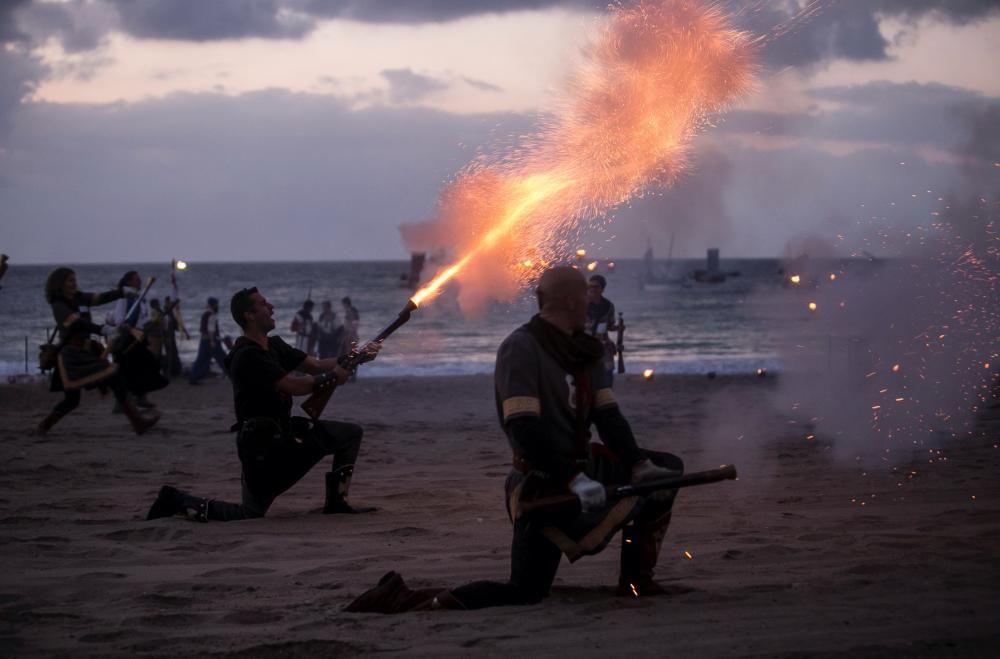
568, 502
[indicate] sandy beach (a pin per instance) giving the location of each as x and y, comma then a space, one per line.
784, 562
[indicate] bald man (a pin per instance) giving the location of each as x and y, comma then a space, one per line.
551, 387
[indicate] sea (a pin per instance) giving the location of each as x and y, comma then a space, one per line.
674, 324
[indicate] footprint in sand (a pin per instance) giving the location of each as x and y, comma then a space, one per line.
238, 572
149, 534
103, 575
160, 620
103, 637
261, 617
161, 599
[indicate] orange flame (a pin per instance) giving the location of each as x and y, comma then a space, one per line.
650, 82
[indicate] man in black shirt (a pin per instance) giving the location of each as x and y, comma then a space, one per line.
275, 448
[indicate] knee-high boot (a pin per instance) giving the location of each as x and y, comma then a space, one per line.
338, 482
641, 544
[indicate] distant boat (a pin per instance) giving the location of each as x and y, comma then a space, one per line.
653, 277
712, 274
412, 280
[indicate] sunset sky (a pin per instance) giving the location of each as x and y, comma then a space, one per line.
230, 130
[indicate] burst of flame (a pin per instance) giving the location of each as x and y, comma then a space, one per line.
653, 79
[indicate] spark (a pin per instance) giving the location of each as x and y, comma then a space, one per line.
688, 555
655, 77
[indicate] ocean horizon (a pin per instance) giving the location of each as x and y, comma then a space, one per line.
673, 324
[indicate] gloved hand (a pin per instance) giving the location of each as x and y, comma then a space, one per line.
590, 492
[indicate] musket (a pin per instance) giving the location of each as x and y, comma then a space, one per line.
136, 333
313, 406
620, 345
570, 502
138, 300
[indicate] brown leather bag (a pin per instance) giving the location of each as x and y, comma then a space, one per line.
48, 353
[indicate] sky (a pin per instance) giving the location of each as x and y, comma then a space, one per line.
237, 130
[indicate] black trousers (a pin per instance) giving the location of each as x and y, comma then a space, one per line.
534, 559
286, 464
71, 397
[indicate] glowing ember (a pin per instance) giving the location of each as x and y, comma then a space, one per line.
688, 555
812, 306
635, 591
592, 266
648, 374
795, 279
580, 253
833, 277
761, 372
895, 368
653, 79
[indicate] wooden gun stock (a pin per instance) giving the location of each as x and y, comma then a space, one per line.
313, 406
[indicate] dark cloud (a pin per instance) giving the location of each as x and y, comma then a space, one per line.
20, 70
429, 11
905, 115
406, 86
848, 29
79, 26
196, 20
